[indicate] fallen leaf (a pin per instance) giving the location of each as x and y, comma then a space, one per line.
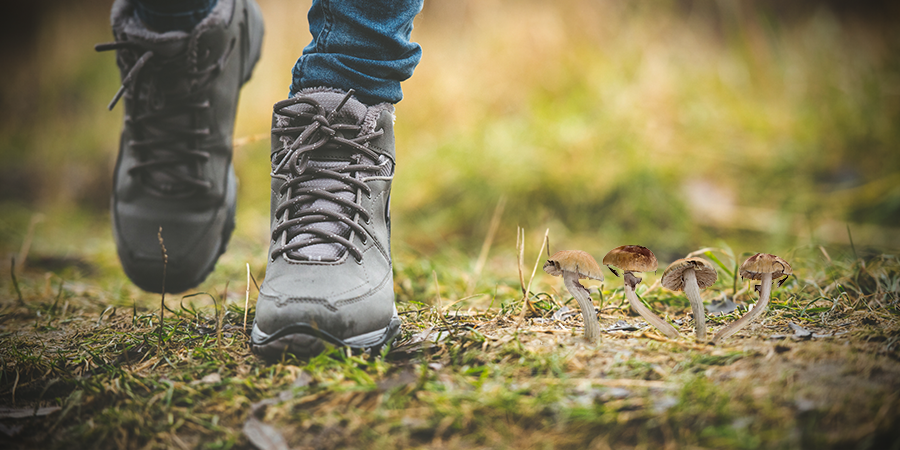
22, 413
721, 306
208, 379
11, 430
623, 326
562, 313
800, 332
263, 436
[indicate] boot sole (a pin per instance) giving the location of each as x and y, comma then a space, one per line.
304, 340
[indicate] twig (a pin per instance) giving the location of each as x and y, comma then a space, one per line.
537, 262
162, 301
463, 299
440, 302
656, 284
12, 273
244, 140
520, 257
220, 318
15, 385
437, 288
29, 236
255, 284
58, 296
488, 242
247, 299
613, 382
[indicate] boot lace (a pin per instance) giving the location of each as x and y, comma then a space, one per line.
292, 161
166, 87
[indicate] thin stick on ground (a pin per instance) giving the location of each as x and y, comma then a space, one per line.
12, 273
537, 263
486, 246
759, 308
520, 257
247, 299
220, 318
29, 236
216, 310
249, 139
162, 301
440, 302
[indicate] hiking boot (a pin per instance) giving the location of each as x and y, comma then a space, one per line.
174, 167
329, 279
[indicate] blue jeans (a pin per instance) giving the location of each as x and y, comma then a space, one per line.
362, 45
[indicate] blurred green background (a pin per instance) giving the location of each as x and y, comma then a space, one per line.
674, 125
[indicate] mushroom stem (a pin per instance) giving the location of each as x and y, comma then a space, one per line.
582, 296
760, 307
692, 291
630, 282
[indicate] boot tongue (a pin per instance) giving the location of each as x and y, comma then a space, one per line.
167, 45
333, 158
171, 45
352, 112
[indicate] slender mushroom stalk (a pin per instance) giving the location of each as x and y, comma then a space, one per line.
692, 292
583, 297
760, 307
631, 282
763, 267
573, 265
635, 258
690, 275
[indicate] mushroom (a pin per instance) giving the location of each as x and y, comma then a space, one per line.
635, 258
763, 267
574, 265
690, 275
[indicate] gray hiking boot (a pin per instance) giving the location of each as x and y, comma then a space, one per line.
329, 277
174, 168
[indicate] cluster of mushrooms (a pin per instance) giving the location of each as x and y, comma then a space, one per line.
688, 275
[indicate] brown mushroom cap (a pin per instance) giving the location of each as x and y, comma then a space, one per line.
631, 258
673, 277
576, 261
761, 263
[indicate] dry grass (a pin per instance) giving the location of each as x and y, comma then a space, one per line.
465, 375
672, 127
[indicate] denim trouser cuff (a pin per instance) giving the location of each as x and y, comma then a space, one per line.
360, 45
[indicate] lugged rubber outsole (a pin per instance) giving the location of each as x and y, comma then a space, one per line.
304, 340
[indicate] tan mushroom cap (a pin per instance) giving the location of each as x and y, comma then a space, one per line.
631, 258
577, 261
673, 277
761, 263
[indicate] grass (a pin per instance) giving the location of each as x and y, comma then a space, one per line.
470, 374
717, 130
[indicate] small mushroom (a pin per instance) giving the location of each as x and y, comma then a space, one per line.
763, 267
635, 258
690, 275
574, 265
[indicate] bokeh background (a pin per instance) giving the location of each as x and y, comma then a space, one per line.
766, 126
